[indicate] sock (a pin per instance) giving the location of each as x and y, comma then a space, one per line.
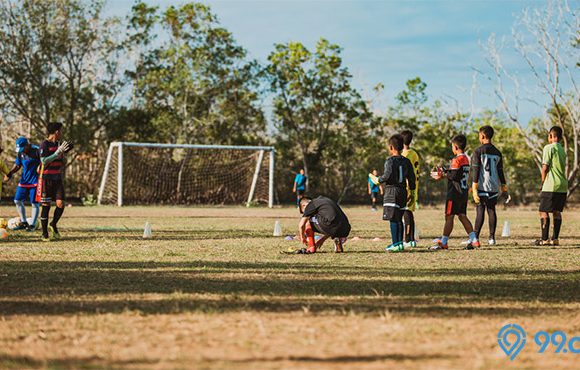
56, 216
472, 236
21, 210
44, 220
310, 242
409, 226
557, 226
479, 218
444, 240
35, 212
401, 230
492, 221
394, 231
545, 222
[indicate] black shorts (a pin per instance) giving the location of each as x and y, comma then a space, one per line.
52, 190
552, 202
375, 197
456, 205
393, 203
299, 193
394, 214
488, 201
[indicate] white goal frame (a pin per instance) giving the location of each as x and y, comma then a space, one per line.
260, 149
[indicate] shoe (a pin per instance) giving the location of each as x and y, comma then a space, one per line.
474, 244
439, 246
21, 226
31, 228
469, 247
541, 242
491, 241
411, 244
374, 209
45, 238
554, 242
395, 247
338, 245
54, 231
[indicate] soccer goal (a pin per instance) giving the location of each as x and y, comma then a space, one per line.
145, 173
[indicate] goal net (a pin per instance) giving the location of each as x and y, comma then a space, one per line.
141, 173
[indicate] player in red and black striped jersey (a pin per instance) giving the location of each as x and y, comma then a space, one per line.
51, 187
457, 194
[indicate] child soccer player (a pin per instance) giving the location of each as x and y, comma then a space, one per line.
457, 194
374, 189
299, 186
408, 216
28, 158
554, 186
322, 215
52, 157
398, 175
488, 180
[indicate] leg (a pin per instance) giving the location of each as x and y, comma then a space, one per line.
310, 242
59, 195
466, 223
545, 223
492, 220
19, 199
480, 217
35, 212
21, 210
44, 219
557, 225
409, 226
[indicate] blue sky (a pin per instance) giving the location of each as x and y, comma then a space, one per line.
383, 41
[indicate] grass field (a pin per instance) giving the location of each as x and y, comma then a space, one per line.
211, 290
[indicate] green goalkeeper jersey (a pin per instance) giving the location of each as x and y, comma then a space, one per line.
554, 157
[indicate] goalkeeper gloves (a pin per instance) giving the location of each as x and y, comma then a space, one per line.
64, 147
475, 195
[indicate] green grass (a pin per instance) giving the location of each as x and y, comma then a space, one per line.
212, 290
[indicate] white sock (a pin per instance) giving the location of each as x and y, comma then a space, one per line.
35, 212
472, 237
21, 210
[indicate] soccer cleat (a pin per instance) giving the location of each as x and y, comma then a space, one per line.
411, 244
395, 247
491, 242
474, 244
21, 226
45, 238
554, 242
54, 231
31, 228
439, 246
374, 209
541, 242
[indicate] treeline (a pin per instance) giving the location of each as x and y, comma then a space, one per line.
175, 75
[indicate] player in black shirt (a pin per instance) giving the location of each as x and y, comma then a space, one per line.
322, 215
398, 174
488, 181
50, 184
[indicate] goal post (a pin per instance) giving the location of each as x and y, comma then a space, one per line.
153, 173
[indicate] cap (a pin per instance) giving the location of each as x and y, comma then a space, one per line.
21, 143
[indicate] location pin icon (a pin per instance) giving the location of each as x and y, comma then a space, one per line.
511, 339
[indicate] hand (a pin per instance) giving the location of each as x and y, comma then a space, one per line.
504, 188
64, 147
369, 192
476, 198
6, 178
411, 199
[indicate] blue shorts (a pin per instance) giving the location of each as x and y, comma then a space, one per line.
23, 194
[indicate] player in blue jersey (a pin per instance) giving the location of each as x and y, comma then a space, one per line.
27, 159
299, 186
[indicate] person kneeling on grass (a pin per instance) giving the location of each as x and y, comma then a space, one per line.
322, 215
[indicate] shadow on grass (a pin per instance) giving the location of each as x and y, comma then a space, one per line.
94, 362
32, 287
349, 359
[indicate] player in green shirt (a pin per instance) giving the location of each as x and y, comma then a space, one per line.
554, 186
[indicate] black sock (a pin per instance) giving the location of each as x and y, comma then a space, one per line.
557, 226
400, 229
545, 227
409, 226
394, 231
479, 218
44, 219
57, 213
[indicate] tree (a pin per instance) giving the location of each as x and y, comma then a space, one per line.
322, 121
196, 84
544, 39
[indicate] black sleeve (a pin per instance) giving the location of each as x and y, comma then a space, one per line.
310, 210
475, 165
44, 149
386, 173
454, 174
500, 170
412, 180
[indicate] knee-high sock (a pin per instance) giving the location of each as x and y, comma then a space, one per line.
396, 231
479, 219
21, 210
44, 219
35, 212
545, 227
310, 242
409, 226
492, 221
557, 226
57, 213
401, 231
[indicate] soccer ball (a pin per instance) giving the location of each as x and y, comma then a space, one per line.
3, 223
12, 223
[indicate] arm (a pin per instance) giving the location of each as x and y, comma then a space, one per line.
14, 169
501, 175
546, 161
386, 173
545, 169
369, 186
49, 159
294, 187
302, 228
411, 180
